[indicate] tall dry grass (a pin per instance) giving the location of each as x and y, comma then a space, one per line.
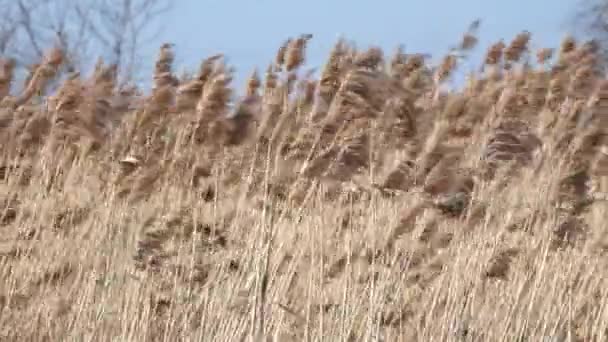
364, 205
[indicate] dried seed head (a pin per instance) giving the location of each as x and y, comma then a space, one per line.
294, 56
7, 67
398, 63
188, 94
469, 41
165, 59
494, 53
280, 57
332, 72
216, 95
69, 96
165, 79
544, 55
506, 100
446, 67
104, 77
206, 68
581, 81
308, 88
54, 57
567, 45
270, 81
162, 97
253, 83
599, 100
518, 46
535, 89
556, 91
369, 59
414, 62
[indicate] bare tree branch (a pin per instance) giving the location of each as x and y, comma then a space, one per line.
591, 20
113, 30
26, 23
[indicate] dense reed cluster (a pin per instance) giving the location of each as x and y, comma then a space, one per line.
368, 204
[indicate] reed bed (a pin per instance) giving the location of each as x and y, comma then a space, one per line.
365, 204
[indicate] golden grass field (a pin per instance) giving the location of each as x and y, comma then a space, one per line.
366, 205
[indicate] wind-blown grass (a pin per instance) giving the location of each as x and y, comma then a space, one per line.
367, 204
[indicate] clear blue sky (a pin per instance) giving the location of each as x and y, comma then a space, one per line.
249, 32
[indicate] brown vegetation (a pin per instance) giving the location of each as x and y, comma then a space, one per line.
366, 205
